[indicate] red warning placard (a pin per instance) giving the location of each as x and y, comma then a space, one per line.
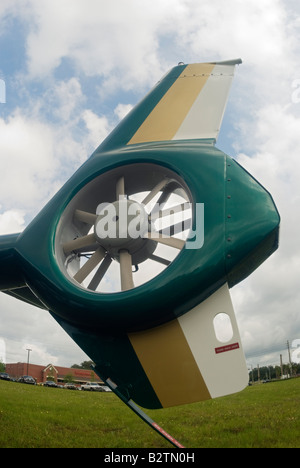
224, 349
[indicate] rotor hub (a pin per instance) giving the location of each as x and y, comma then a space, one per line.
122, 225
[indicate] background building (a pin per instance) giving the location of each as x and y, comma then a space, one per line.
50, 372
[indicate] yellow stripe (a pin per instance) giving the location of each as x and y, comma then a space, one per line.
166, 118
169, 364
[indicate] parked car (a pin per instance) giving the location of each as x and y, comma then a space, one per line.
71, 386
106, 388
4, 376
27, 379
92, 387
50, 383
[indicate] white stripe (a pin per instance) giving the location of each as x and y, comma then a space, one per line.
206, 114
224, 371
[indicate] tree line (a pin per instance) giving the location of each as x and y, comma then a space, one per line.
274, 372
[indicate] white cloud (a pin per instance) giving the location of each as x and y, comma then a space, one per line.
65, 97
98, 127
43, 144
268, 302
27, 162
12, 221
24, 326
2, 351
102, 38
275, 163
122, 110
255, 30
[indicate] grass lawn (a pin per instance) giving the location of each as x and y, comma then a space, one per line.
262, 416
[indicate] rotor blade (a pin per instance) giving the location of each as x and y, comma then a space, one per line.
170, 241
126, 270
174, 209
100, 273
155, 191
79, 243
160, 203
164, 197
88, 267
120, 188
176, 228
164, 261
90, 248
85, 217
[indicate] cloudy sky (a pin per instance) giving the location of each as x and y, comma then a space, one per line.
72, 69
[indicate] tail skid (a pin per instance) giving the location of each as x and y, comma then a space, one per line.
139, 412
